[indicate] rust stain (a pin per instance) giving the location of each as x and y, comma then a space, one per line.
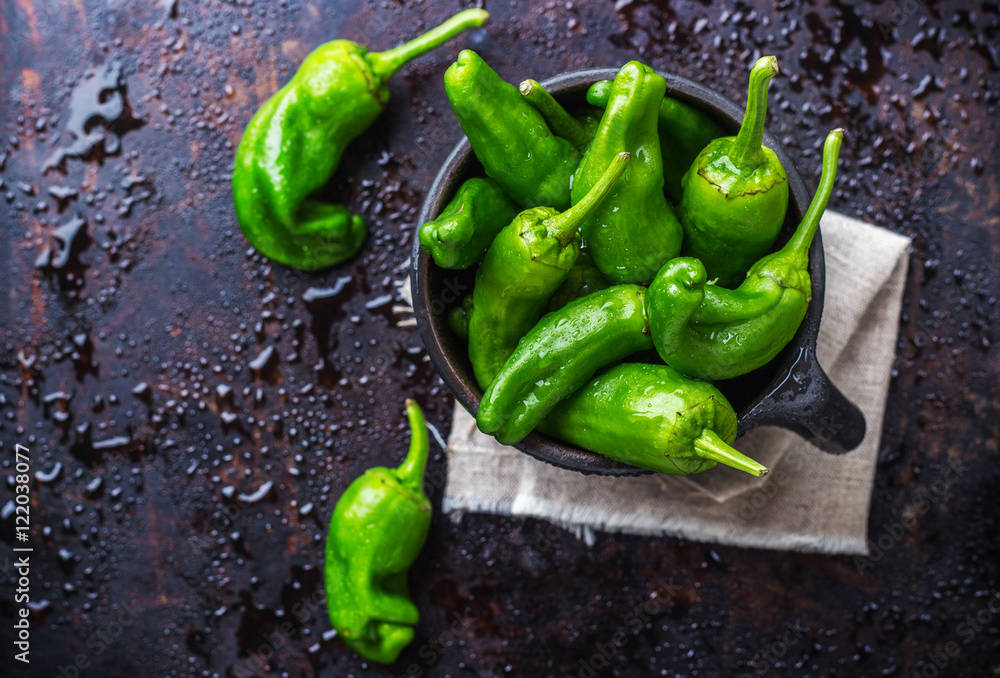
90, 177
82, 21
38, 317
267, 79
31, 90
291, 48
29, 13
153, 539
32, 85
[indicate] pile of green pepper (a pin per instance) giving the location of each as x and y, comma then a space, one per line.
629, 225
643, 226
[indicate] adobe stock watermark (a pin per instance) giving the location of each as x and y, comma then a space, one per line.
436, 647
100, 641
749, 505
258, 659
901, 12
546, 536
967, 630
924, 334
632, 624
994, 263
765, 659
893, 532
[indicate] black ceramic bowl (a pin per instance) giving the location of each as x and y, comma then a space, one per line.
791, 391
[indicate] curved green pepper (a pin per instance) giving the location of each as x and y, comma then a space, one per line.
735, 194
583, 279
710, 332
509, 135
522, 269
377, 530
684, 132
459, 236
635, 231
559, 355
293, 144
653, 417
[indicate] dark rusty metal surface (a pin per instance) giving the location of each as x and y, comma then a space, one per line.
194, 417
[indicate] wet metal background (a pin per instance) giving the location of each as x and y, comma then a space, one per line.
193, 411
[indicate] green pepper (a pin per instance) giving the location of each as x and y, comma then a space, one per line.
684, 132
459, 236
559, 355
735, 194
294, 142
589, 118
377, 530
561, 122
653, 417
583, 279
525, 265
710, 332
635, 231
509, 135
458, 318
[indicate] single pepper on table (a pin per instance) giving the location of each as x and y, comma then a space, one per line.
376, 532
522, 269
653, 417
735, 193
294, 142
710, 332
634, 231
509, 136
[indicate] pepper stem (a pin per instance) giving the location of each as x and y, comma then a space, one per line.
747, 151
386, 63
710, 446
563, 226
561, 122
411, 471
803, 236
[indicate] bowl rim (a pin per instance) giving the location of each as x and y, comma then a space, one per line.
545, 448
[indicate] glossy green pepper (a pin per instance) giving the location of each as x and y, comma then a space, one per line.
735, 194
653, 417
583, 279
294, 142
589, 118
523, 268
509, 135
557, 118
559, 355
710, 332
684, 132
459, 236
377, 530
458, 318
635, 231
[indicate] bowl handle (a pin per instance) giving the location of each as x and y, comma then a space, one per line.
807, 402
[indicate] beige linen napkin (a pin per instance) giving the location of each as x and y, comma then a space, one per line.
811, 501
